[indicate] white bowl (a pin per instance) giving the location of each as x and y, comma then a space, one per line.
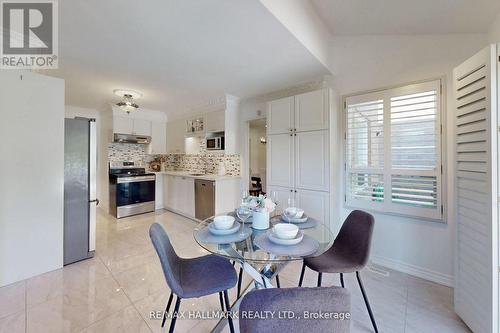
223, 222
299, 213
285, 230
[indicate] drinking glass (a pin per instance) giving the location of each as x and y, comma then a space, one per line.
274, 198
243, 213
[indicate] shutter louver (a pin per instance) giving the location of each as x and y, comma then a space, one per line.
476, 278
365, 151
393, 155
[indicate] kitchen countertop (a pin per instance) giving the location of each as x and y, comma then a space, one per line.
187, 174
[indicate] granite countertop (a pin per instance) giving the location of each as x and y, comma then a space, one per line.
188, 174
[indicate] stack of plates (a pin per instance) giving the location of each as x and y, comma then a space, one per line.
223, 232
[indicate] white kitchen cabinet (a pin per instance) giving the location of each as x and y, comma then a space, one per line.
311, 111
123, 125
187, 195
280, 116
312, 160
178, 194
214, 121
176, 132
283, 194
280, 160
142, 127
316, 204
129, 125
298, 161
159, 191
158, 138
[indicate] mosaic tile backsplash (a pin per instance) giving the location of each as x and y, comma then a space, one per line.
201, 163
126, 152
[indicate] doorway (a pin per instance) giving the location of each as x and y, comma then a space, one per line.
257, 156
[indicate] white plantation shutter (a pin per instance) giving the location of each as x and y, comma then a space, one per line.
476, 278
393, 155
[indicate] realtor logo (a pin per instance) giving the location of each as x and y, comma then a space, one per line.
29, 36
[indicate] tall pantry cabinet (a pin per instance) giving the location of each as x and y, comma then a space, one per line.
298, 162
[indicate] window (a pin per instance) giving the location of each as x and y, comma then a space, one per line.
393, 150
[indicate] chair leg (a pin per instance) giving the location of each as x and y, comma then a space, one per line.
221, 301
320, 276
278, 281
167, 309
367, 302
240, 278
174, 314
302, 274
228, 307
342, 280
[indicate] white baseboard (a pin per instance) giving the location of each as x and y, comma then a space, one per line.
417, 271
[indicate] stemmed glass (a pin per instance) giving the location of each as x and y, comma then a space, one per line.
243, 213
274, 198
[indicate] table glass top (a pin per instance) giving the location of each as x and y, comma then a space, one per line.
248, 251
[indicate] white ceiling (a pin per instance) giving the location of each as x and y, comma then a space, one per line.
177, 53
373, 17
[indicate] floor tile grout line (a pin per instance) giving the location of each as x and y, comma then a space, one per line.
125, 293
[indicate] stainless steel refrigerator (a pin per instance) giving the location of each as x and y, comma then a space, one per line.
80, 202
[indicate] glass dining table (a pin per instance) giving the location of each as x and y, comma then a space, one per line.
261, 263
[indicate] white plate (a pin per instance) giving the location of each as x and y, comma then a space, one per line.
295, 220
223, 232
294, 241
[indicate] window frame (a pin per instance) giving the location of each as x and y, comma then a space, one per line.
387, 206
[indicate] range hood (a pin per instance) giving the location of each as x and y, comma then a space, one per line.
130, 138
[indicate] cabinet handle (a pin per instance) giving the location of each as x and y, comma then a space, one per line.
291, 190
295, 191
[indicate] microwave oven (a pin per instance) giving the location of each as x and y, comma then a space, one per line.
215, 143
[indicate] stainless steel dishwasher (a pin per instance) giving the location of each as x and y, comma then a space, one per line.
204, 202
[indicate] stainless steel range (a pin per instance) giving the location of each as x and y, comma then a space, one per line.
131, 189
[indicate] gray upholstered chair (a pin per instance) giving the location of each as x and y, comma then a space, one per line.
191, 278
334, 300
349, 253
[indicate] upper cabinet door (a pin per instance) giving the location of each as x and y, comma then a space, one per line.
311, 111
312, 160
123, 125
142, 127
280, 160
158, 137
214, 121
280, 116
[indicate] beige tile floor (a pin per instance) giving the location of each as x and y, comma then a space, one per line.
118, 289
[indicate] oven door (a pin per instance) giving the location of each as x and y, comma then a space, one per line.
134, 190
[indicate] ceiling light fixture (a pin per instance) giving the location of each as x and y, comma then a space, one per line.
127, 103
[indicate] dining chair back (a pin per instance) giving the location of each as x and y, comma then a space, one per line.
290, 304
354, 238
170, 261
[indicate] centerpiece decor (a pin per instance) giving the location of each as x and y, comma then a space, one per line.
261, 206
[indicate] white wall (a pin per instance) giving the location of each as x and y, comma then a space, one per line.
32, 174
301, 19
494, 31
415, 246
